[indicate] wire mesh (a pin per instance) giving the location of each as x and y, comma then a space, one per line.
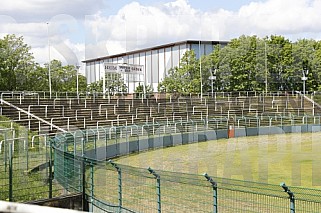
136, 191
27, 176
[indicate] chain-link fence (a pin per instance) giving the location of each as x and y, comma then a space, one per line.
80, 165
26, 171
118, 188
79, 159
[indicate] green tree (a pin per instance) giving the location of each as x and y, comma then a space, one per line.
139, 90
306, 58
64, 78
114, 84
38, 79
316, 64
16, 61
184, 79
238, 65
282, 75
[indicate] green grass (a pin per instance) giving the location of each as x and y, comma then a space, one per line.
290, 158
26, 186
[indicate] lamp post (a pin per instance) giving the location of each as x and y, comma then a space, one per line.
212, 78
49, 71
305, 72
77, 80
200, 56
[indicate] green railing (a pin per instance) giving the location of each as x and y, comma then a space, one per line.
81, 166
120, 188
79, 158
26, 171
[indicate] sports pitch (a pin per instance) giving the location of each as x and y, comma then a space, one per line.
290, 158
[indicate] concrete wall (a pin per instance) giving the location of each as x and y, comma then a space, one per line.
137, 145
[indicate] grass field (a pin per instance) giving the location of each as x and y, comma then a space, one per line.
290, 158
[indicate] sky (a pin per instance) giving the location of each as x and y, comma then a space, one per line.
77, 30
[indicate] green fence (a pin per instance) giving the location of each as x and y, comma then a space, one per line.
26, 171
79, 159
119, 188
81, 166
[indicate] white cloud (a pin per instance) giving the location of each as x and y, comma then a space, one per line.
35, 10
283, 17
137, 26
63, 31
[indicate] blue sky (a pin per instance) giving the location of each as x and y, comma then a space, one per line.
85, 29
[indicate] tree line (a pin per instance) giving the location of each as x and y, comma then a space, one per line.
20, 72
249, 63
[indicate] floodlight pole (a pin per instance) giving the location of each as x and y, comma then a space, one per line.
104, 83
266, 71
77, 80
212, 86
199, 50
49, 71
304, 79
212, 78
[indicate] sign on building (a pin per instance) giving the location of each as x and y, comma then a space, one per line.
124, 68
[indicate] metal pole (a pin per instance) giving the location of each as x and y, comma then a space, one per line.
49, 71
214, 185
304, 78
77, 81
199, 50
92, 186
266, 71
120, 191
291, 197
50, 169
104, 82
158, 189
10, 173
212, 87
85, 206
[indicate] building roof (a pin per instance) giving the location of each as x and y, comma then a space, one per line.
154, 48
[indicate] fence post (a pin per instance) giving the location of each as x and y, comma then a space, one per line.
85, 206
214, 186
10, 172
92, 186
158, 189
291, 197
120, 193
50, 169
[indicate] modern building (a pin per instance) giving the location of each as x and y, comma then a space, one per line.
155, 62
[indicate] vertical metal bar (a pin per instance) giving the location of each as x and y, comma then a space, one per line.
215, 199
5, 151
158, 189
10, 173
92, 186
50, 170
84, 201
291, 197
292, 205
120, 190
95, 142
27, 151
214, 186
158, 186
120, 194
